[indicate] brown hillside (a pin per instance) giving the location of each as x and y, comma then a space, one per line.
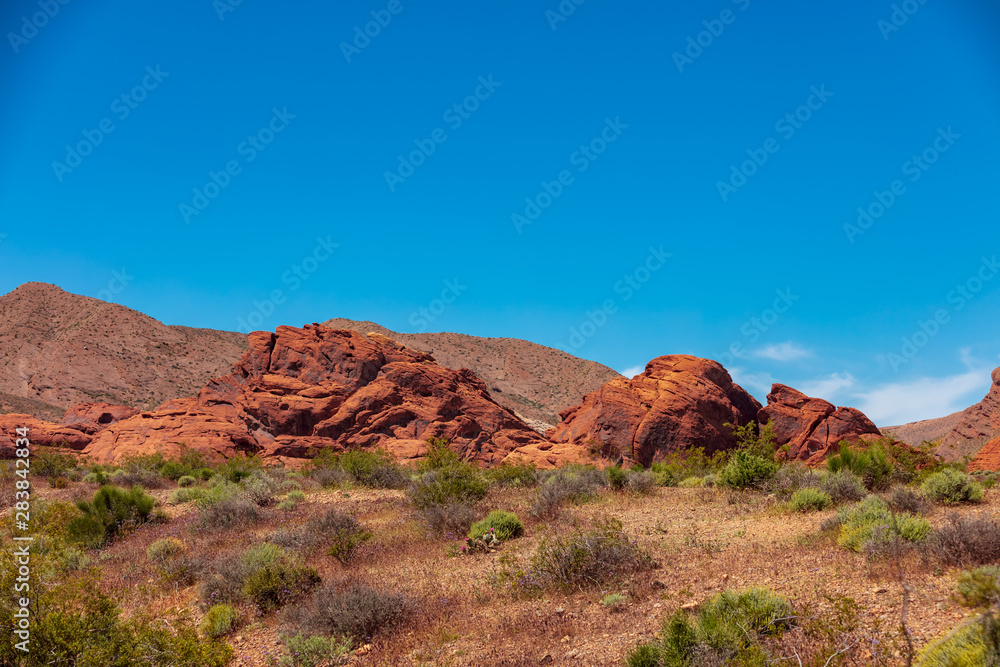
962, 433
535, 381
58, 349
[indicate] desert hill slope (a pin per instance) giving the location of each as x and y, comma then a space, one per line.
535, 381
58, 349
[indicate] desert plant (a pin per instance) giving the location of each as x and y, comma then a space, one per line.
966, 541
512, 475
859, 523
292, 499
350, 608
505, 525
584, 559
690, 483
809, 500
50, 462
844, 486
641, 481
450, 520
346, 536
96, 477
871, 465
613, 601
305, 651
568, 484
219, 620
746, 470
976, 644
274, 585
979, 587
906, 499
439, 455
689, 463
111, 511
163, 550
185, 481
950, 487
617, 477
372, 468
460, 483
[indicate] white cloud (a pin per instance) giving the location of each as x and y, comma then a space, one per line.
633, 371
760, 381
827, 388
925, 398
783, 352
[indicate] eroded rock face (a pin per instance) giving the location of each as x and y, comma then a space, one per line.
301, 388
976, 425
988, 457
811, 427
39, 433
90, 418
677, 403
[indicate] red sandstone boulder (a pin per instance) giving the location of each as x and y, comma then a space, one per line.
90, 418
988, 457
39, 433
811, 427
677, 403
302, 388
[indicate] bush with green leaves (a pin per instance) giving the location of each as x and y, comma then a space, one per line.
96, 477
373, 468
979, 587
262, 574
677, 466
584, 560
617, 477
459, 483
871, 465
871, 518
746, 470
345, 535
186, 480
111, 511
809, 500
844, 486
571, 483
975, 644
614, 601
691, 483
350, 608
291, 500
219, 620
950, 487
451, 520
517, 475
505, 525
275, 585
50, 462
907, 499
641, 481
313, 651
966, 541
728, 629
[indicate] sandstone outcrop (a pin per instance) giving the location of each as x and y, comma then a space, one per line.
811, 427
90, 418
677, 403
39, 433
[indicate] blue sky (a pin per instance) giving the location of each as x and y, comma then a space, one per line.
618, 180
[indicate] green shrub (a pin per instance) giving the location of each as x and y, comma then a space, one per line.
690, 463
871, 465
505, 525
617, 478
690, 483
291, 501
376, 469
950, 487
728, 629
586, 559
746, 470
809, 500
613, 601
219, 620
438, 456
975, 645
571, 483
755, 440
111, 511
979, 587
844, 486
451, 520
905, 499
304, 651
165, 549
276, 584
346, 535
96, 477
641, 481
185, 481
229, 512
871, 518
50, 462
186, 495
460, 483
511, 475
238, 468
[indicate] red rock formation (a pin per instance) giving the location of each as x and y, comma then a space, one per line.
300, 388
988, 457
811, 426
39, 433
976, 425
678, 402
90, 418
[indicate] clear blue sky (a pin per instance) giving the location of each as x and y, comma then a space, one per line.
634, 129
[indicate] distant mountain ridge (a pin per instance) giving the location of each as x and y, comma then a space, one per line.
534, 381
59, 349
